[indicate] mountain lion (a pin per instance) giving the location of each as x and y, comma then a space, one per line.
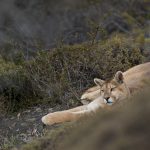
104, 94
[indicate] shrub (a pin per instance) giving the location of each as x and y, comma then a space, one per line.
14, 90
62, 74
59, 76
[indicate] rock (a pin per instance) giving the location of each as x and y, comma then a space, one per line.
24, 124
38, 110
27, 111
50, 110
31, 120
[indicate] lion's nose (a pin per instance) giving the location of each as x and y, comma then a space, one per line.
107, 98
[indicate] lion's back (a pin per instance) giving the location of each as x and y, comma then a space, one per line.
137, 77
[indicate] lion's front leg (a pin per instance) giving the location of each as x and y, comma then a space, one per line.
73, 114
64, 116
57, 117
90, 95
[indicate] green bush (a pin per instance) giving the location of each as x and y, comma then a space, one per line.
14, 90
61, 75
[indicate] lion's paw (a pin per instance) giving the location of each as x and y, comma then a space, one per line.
48, 119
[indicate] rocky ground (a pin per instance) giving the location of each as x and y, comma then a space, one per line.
21, 128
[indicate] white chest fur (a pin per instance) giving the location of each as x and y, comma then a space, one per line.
96, 104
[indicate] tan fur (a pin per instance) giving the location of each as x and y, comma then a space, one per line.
92, 94
105, 93
135, 79
75, 113
113, 92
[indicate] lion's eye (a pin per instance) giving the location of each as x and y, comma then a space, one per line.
102, 90
112, 89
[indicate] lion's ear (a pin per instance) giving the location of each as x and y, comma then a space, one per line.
119, 77
99, 81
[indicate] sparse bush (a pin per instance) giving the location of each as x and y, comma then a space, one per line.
63, 73
14, 90
59, 76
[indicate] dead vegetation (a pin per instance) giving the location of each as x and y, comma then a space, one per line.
61, 75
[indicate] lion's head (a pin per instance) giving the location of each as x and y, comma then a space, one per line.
113, 90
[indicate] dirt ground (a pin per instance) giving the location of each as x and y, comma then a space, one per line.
21, 128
